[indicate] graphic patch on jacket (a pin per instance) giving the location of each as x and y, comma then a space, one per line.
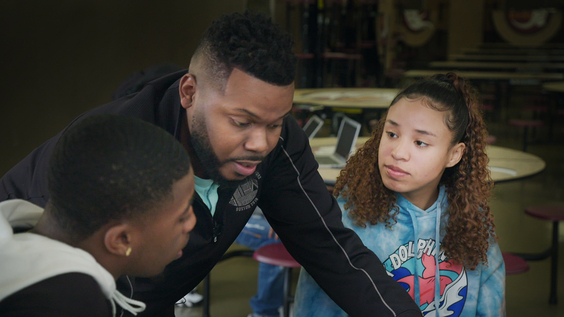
454, 281
245, 196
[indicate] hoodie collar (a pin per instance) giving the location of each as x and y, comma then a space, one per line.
42, 258
406, 206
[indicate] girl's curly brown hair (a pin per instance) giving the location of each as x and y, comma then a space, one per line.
470, 226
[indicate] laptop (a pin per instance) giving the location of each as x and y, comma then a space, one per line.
312, 126
346, 140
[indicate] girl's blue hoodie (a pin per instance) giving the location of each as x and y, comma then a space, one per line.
409, 249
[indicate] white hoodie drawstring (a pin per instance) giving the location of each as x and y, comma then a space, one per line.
131, 305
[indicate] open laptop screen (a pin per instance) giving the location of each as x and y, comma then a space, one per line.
312, 126
348, 133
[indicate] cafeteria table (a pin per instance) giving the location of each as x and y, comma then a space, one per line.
345, 100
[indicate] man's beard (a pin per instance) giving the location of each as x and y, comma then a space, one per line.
209, 160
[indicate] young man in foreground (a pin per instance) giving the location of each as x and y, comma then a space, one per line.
121, 194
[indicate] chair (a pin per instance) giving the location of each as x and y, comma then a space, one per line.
554, 214
514, 264
276, 254
491, 139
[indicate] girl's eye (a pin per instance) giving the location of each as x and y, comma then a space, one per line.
421, 143
392, 135
274, 126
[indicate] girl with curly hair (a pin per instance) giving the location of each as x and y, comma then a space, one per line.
417, 194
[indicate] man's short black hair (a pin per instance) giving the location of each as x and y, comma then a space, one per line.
251, 42
110, 167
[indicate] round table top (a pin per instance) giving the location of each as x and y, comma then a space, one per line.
505, 164
377, 98
557, 86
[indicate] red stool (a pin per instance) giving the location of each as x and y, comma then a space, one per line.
491, 139
554, 214
514, 264
276, 254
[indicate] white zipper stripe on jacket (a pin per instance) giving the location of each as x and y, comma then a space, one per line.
332, 236
437, 250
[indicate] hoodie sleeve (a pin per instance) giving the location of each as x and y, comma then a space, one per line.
310, 300
491, 298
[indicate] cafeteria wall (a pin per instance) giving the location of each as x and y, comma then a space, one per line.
465, 25
64, 57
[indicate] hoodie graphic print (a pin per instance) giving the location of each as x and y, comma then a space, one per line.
401, 266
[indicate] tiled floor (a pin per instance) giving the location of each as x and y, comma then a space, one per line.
234, 281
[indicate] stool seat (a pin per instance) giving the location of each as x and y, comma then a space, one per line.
551, 213
275, 254
491, 139
554, 214
514, 264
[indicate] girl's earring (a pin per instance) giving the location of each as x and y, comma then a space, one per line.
128, 251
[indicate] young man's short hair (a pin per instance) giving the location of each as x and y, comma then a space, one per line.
108, 167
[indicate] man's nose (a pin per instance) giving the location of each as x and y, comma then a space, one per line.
257, 141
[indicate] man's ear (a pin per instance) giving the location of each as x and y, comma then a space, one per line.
456, 154
118, 239
187, 89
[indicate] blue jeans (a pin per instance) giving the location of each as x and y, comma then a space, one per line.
270, 292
